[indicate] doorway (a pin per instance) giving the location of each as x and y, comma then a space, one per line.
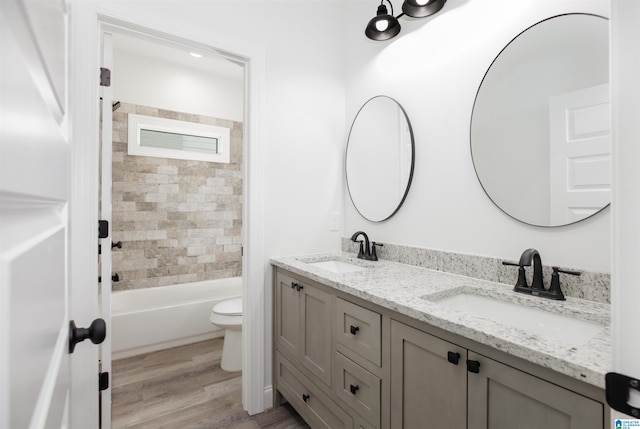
176, 213
91, 19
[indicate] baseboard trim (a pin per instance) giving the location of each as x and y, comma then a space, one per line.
268, 397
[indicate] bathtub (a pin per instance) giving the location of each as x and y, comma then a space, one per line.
145, 320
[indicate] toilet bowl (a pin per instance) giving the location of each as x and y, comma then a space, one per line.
227, 315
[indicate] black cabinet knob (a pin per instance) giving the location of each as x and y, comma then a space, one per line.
297, 286
117, 244
453, 357
305, 397
96, 332
354, 389
353, 329
473, 366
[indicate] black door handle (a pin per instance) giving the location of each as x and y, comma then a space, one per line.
96, 332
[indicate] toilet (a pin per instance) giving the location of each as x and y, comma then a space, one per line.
227, 315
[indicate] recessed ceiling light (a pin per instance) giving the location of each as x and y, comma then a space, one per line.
195, 55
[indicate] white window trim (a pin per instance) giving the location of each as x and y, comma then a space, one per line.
140, 122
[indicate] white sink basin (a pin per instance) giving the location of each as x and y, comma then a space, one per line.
337, 267
537, 321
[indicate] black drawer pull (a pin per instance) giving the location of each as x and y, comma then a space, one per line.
473, 366
353, 329
354, 389
453, 357
305, 397
297, 286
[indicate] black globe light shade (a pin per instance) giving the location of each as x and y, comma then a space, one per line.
421, 8
383, 26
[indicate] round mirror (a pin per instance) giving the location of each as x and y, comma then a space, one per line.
540, 129
379, 159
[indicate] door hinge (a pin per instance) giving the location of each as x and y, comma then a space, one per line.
103, 228
618, 389
114, 278
103, 381
105, 77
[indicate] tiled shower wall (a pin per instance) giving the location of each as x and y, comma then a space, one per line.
179, 221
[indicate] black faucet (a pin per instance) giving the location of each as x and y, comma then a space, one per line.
526, 258
366, 252
537, 285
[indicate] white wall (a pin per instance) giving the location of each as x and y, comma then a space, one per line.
304, 111
303, 117
150, 82
433, 68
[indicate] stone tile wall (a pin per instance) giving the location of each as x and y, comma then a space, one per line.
179, 221
590, 285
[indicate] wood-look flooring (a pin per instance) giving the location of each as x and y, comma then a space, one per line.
185, 388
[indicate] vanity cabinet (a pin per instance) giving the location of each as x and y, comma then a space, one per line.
345, 363
446, 385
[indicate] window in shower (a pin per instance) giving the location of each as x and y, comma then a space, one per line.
170, 138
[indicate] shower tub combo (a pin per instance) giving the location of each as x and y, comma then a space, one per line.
145, 320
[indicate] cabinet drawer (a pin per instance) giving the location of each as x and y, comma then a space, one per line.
310, 402
358, 388
359, 330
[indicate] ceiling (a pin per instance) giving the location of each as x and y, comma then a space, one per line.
158, 49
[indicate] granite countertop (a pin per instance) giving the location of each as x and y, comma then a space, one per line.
410, 290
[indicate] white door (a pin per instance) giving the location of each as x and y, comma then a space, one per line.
37, 386
580, 154
34, 198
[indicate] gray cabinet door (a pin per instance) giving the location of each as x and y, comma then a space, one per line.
316, 332
303, 324
503, 397
427, 391
287, 315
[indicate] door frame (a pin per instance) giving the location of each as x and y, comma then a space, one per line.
87, 21
625, 201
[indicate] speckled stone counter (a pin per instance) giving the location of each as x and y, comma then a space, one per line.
411, 291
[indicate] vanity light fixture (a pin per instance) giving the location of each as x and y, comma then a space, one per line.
384, 26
